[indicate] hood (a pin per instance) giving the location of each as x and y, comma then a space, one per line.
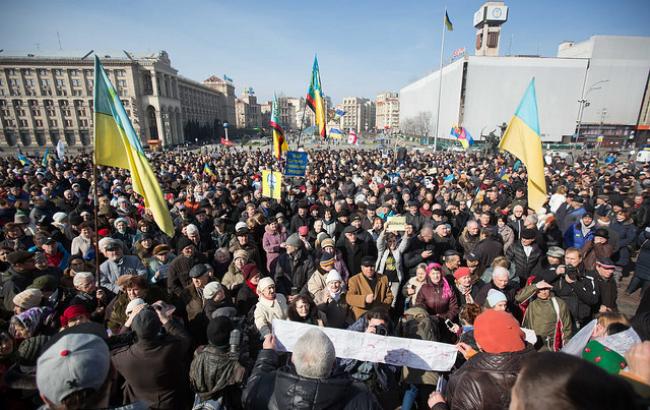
294, 392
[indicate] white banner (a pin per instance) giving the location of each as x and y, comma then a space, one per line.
369, 347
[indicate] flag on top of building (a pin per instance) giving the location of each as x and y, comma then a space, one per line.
523, 140
315, 99
117, 145
280, 145
463, 136
450, 27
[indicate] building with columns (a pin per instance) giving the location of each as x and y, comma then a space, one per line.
387, 114
247, 110
45, 99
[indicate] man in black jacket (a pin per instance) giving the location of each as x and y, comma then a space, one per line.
525, 254
577, 289
311, 386
604, 276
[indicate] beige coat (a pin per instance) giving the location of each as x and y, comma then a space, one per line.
267, 310
358, 289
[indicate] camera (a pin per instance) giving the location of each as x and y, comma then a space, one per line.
381, 330
571, 272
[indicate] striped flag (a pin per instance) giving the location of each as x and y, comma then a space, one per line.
463, 136
46, 157
207, 170
315, 99
280, 145
23, 159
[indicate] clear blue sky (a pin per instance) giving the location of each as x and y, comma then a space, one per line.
364, 46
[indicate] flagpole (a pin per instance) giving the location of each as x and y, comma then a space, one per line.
442, 52
302, 123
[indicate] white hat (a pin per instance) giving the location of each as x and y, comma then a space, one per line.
191, 228
240, 225
59, 217
132, 304
333, 276
211, 289
494, 296
264, 283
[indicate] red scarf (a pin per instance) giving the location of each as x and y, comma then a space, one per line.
251, 286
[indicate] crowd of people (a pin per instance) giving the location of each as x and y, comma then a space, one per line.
100, 309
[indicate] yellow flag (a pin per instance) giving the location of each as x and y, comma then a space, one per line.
271, 184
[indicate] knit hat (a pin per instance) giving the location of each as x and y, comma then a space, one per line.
183, 243
333, 276
495, 296
249, 270
30, 349
44, 283
327, 242
59, 217
72, 312
240, 253
77, 361
294, 240
146, 324
303, 230
28, 298
326, 262
264, 283
211, 289
118, 220
132, 304
498, 332
461, 272
602, 232
218, 331
528, 233
603, 357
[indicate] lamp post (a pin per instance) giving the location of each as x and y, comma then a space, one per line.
584, 103
225, 129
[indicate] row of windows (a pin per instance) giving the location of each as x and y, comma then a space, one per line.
58, 72
10, 123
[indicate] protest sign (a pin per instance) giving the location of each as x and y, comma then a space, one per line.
370, 347
271, 184
296, 164
396, 224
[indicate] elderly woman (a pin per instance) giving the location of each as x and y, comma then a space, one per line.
303, 309
131, 287
414, 284
247, 294
332, 302
234, 278
273, 242
437, 295
465, 289
270, 306
389, 262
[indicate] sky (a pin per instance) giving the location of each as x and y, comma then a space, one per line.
364, 47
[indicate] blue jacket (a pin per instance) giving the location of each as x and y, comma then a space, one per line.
573, 237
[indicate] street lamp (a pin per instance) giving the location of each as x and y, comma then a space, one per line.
225, 129
585, 103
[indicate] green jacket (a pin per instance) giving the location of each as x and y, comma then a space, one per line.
541, 317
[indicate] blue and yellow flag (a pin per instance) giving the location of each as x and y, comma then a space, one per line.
117, 145
24, 161
46, 157
280, 145
207, 170
523, 140
448, 25
271, 184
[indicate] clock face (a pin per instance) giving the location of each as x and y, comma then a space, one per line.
497, 12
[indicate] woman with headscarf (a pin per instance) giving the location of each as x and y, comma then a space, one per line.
270, 305
437, 296
247, 294
332, 302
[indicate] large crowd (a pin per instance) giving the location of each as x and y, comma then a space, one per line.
100, 309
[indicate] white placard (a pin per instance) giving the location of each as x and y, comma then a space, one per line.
369, 347
580, 340
620, 342
530, 335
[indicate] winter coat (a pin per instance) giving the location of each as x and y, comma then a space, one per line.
485, 380
178, 275
267, 310
352, 253
642, 268
524, 265
196, 318
117, 316
626, 236
413, 254
487, 250
271, 245
245, 300
359, 287
592, 252
608, 290
432, 299
467, 241
338, 313
109, 271
510, 291
214, 374
542, 317
233, 278
281, 389
581, 297
154, 370
507, 236
574, 238
293, 270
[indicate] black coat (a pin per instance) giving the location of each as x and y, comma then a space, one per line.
271, 388
293, 271
582, 297
487, 250
524, 265
413, 254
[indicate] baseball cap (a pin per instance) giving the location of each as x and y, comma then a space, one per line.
77, 361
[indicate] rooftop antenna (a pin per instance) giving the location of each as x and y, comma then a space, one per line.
87, 54
58, 36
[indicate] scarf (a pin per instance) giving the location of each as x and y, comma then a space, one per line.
251, 286
585, 229
335, 295
466, 291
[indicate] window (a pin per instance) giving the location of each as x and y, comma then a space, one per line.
13, 82
76, 83
10, 123
42, 72
48, 103
64, 103
23, 123
493, 40
3, 103
51, 113
36, 113
54, 123
59, 83
45, 83
120, 73
74, 73
66, 113
121, 83
21, 112
27, 71
77, 92
83, 123
58, 72
67, 123
5, 113
39, 123
125, 103
81, 112
61, 93
11, 71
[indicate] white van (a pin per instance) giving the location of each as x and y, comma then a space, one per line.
643, 156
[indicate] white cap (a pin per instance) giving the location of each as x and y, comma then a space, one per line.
132, 304
332, 276
264, 283
240, 225
494, 296
211, 289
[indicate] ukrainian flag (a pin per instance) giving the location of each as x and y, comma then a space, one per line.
46, 157
523, 140
23, 160
207, 170
117, 145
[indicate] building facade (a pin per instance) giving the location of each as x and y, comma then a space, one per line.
247, 110
46, 99
359, 115
387, 106
228, 98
